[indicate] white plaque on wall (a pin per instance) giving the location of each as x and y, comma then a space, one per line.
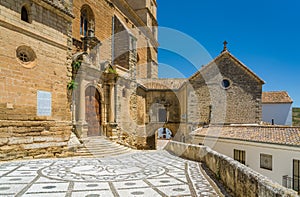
44, 100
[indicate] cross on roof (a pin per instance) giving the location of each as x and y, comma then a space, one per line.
225, 46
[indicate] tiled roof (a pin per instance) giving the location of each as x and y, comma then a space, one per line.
162, 84
276, 97
265, 134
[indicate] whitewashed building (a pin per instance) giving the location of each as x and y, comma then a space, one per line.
277, 108
270, 150
164, 133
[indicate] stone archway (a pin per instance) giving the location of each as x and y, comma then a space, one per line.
93, 111
164, 133
162, 136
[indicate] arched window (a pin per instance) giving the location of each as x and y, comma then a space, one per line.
83, 24
87, 22
24, 14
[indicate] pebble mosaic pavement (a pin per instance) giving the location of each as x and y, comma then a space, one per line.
137, 174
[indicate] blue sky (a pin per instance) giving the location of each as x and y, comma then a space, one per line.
263, 34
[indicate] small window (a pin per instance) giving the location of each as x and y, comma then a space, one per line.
296, 175
225, 83
132, 44
26, 56
154, 31
162, 115
24, 14
240, 156
87, 21
83, 25
266, 161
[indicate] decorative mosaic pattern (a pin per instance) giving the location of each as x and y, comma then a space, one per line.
86, 171
200, 184
140, 174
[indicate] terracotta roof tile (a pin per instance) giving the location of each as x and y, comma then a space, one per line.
162, 84
264, 134
276, 97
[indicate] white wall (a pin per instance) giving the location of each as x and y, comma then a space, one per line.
281, 113
282, 156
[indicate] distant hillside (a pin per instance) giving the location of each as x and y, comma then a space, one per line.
296, 116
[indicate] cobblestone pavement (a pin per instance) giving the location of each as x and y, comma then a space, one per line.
137, 174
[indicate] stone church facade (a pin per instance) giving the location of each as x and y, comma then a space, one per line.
90, 67
36, 38
115, 43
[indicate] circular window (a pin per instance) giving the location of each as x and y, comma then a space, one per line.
225, 83
26, 56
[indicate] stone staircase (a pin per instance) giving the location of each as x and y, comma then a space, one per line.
99, 146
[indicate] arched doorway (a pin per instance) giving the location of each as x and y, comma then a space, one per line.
93, 111
164, 133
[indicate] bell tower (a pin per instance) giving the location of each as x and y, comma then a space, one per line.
146, 10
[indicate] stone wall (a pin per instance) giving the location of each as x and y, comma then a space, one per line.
33, 139
47, 72
237, 178
239, 103
45, 40
130, 114
296, 116
103, 13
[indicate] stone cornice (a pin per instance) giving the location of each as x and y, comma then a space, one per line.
150, 13
33, 35
64, 10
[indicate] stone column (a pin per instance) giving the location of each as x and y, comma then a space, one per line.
109, 79
112, 103
81, 126
82, 103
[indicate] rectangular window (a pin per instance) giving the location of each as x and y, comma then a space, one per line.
132, 44
162, 115
266, 161
239, 155
296, 175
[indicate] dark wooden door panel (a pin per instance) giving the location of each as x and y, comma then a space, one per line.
93, 111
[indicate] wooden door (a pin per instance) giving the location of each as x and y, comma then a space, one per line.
93, 111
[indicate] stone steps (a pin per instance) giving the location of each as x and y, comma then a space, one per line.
102, 147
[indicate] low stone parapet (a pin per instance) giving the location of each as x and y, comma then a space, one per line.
33, 139
236, 177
